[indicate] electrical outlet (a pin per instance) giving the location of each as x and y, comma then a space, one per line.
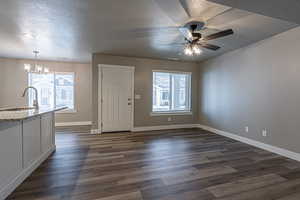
169, 119
246, 129
264, 133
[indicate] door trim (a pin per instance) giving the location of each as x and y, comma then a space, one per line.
100, 75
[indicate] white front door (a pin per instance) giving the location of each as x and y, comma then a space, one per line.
117, 94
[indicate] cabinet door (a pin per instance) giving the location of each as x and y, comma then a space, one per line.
47, 131
31, 140
10, 151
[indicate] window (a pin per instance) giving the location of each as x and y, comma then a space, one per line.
171, 92
54, 89
64, 90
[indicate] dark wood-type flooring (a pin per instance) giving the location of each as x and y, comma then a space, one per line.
185, 164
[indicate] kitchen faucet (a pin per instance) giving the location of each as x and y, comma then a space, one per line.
35, 102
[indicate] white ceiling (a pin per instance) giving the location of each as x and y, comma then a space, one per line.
286, 10
74, 29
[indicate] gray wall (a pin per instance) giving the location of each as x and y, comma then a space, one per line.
13, 80
143, 86
257, 86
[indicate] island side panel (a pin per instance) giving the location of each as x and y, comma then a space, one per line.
47, 130
31, 140
10, 154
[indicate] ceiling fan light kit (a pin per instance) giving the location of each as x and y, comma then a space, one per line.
191, 50
195, 40
188, 50
196, 49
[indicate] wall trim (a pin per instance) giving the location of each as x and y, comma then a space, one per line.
83, 123
261, 145
95, 131
164, 127
8, 189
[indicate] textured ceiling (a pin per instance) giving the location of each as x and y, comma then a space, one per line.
286, 10
74, 29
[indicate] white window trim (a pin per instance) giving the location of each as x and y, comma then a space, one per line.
174, 112
171, 113
67, 111
64, 111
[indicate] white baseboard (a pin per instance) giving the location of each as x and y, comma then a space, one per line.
95, 131
268, 147
154, 128
8, 189
164, 127
84, 123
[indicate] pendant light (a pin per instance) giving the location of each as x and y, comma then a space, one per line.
36, 68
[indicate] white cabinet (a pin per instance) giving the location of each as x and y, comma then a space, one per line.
24, 145
31, 140
47, 131
10, 152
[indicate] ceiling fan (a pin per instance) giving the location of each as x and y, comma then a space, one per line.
203, 17
195, 40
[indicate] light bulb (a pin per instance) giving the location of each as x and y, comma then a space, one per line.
190, 35
27, 67
39, 69
188, 51
197, 50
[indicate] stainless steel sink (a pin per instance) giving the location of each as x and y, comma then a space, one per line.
17, 109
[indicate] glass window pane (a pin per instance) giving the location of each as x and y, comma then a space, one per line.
44, 84
171, 91
64, 85
161, 91
180, 92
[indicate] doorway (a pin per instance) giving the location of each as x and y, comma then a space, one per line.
116, 103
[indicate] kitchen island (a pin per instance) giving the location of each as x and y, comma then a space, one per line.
27, 138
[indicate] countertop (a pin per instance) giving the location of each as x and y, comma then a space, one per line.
25, 114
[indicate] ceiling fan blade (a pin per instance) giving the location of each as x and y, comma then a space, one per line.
186, 33
209, 46
219, 34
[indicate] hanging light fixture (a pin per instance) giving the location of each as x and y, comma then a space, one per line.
188, 50
196, 49
35, 68
192, 49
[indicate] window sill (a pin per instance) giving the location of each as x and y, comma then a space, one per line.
67, 111
171, 113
